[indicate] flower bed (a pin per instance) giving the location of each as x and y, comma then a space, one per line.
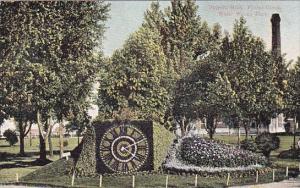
195, 155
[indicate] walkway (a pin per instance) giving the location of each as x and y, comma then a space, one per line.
291, 183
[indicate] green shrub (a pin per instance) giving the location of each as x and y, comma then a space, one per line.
203, 152
11, 137
162, 140
249, 145
266, 142
65, 143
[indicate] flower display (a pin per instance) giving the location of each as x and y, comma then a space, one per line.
200, 155
204, 152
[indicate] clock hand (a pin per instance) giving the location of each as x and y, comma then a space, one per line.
135, 143
123, 148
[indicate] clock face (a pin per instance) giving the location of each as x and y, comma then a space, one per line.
124, 148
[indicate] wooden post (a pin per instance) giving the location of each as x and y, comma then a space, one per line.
299, 166
256, 176
196, 180
273, 174
17, 177
228, 176
167, 180
73, 178
133, 181
100, 181
287, 171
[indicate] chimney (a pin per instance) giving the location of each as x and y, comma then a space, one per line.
276, 43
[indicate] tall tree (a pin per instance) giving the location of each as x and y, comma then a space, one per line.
251, 71
293, 96
54, 43
135, 79
186, 40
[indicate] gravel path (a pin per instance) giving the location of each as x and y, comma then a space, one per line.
291, 183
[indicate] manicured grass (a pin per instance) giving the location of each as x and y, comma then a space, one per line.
285, 143
4, 146
11, 163
154, 180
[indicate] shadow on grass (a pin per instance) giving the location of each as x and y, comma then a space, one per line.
4, 146
23, 164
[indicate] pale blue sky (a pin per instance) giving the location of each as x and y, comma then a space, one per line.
127, 16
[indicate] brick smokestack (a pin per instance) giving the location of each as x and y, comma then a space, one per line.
276, 40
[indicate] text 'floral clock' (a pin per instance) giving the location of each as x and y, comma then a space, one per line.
125, 147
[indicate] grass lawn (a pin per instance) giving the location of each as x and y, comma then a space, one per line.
285, 143
154, 180
12, 164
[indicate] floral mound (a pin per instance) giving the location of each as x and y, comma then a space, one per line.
197, 155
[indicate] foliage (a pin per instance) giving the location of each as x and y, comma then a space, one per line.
290, 154
185, 38
10, 137
48, 54
185, 41
249, 145
292, 97
162, 140
266, 142
201, 152
244, 60
134, 79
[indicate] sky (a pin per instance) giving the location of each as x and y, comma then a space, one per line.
127, 16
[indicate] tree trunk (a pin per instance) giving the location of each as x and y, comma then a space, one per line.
182, 127
239, 137
61, 141
210, 126
246, 130
30, 138
78, 138
50, 144
22, 136
43, 154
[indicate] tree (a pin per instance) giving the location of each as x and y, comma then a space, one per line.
135, 79
251, 72
78, 121
266, 142
293, 96
52, 44
10, 137
186, 41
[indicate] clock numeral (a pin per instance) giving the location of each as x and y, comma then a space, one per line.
142, 147
114, 133
133, 132
125, 167
105, 148
108, 139
115, 165
140, 158
123, 130
141, 137
133, 164
107, 157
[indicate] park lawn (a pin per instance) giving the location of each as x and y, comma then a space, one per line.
285, 144
14, 164
34, 148
153, 180
156, 180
